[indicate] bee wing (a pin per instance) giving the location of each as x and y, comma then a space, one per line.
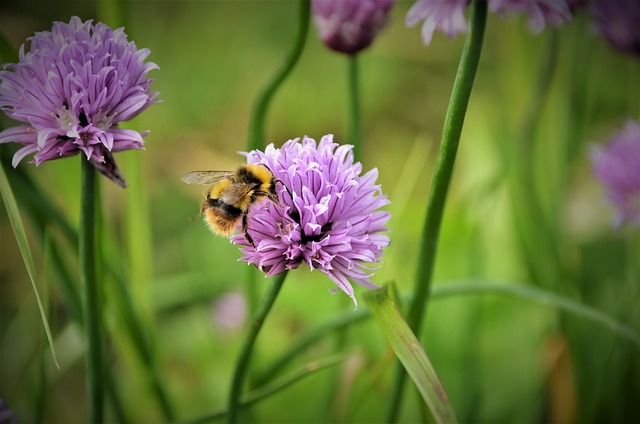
205, 177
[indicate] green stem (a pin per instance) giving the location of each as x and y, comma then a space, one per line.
242, 365
92, 307
442, 176
259, 112
42, 397
276, 387
355, 123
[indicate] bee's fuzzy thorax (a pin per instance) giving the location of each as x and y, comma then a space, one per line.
217, 189
260, 173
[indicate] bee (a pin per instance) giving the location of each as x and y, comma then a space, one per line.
232, 194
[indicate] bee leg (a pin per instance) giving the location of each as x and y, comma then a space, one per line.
285, 187
245, 229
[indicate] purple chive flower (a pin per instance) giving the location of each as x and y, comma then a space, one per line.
541, 12
448, 15
619, 23
445, 15
71, 89
618, 167
349, 26
329, 218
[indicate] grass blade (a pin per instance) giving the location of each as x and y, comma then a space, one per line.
542, 297
21, 237
410, 353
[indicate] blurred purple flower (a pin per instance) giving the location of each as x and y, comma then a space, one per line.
618, 167
541, 12
229, 311
6, 415
332, 222
348, 26
445, 15
619, 23
71, 89
448, 15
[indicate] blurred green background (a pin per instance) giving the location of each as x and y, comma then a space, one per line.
501, 359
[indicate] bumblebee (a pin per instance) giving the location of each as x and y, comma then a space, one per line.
232, 194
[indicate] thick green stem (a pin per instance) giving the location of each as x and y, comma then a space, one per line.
259, 112
355, 120
441, 178
91, 307
242, 365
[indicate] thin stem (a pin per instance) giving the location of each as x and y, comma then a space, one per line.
42, 397
259, 112
355, 121
242, 365
454, 121
277, 386
92, 307
336, 323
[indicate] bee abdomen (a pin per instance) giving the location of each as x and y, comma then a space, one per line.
222, 218
223, 209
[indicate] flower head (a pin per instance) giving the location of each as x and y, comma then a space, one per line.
448, 15
618, 167
328, 218
540, 12
619, 23
349, 26
71, 89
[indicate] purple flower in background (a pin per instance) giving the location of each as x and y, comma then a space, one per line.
540, 12
448, 15
6, 415
349, 26
618, 167
71, 89
329, 218
229, 312
445, 15
619, 23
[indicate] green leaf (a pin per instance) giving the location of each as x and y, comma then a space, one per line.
410, 353
21, 237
